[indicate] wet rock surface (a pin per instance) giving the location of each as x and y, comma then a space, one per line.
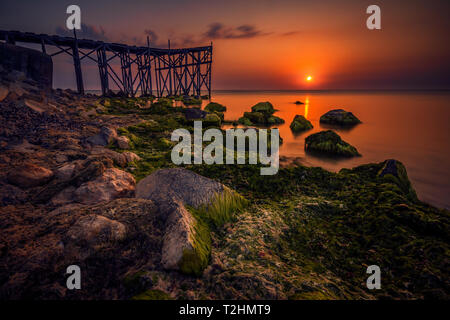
339, 117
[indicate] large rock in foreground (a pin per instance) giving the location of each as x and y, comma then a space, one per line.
329, 143
339, 117
186, 241
178, 184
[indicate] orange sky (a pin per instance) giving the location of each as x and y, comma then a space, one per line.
272, 44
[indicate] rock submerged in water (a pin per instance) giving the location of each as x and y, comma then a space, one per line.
262, 114
300, 123
329, 143
339, 117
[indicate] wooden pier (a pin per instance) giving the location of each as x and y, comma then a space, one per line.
144, 70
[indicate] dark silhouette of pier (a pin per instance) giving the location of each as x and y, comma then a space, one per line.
149, 71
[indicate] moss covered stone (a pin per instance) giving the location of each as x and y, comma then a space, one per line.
214, 106
339, 117
300, 123
329, 143
212, 119
264, 107
262, 114
244, 121
274, 120
188, 101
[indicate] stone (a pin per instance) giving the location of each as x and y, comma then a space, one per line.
131, 157
178, 236
298, 102
65, 172
178, 184
194, 113
300, 123
339, 117
214, 106
123, 142
329, 143
264, 107
212, 119
118, 158
94, 229
29, 175
3, 92
106, 136
112, 184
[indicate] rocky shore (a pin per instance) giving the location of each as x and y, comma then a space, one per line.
88, 181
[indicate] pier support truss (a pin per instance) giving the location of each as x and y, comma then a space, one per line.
143, 70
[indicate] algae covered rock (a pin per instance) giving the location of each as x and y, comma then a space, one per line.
244, 121
188, 101
212, 119
394, 171
339, 117
214, 106
300, 123
274, 120
264, 107
262, 114
187, 241
329, 143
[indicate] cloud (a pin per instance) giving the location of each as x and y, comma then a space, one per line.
87, 32
219, 31
289, 33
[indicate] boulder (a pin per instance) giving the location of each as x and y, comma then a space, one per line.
212, 119
123, 142
191, 101
118, 158
262, 114
105, 137
264, 107
66, 171
339, 117
186, 241
394, 171
112, 184
300, 123
178, 235
329, 143
178, 184
194, 113
29, 175
298, 102
214, 106
94, 229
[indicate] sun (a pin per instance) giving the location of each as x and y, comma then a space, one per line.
309, 78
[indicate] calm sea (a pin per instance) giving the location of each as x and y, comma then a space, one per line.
412, 127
